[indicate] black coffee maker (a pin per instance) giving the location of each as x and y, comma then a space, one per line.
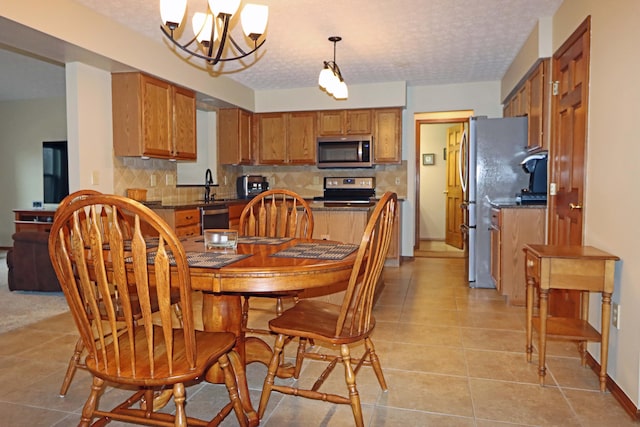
536, 166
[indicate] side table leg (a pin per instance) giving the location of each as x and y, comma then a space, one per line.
604, 344
529, 346
542, 346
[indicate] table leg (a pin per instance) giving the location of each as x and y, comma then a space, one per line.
542, 339
222, 312
584, 315
529, 346
604, 343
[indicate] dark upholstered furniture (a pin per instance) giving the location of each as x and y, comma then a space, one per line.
29, 265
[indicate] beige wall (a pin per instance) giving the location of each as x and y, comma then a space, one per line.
25, 125
611, 202
433, 182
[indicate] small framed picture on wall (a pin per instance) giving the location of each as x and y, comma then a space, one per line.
428, 159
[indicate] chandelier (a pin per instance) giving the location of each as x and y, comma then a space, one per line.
211, 29
330, 79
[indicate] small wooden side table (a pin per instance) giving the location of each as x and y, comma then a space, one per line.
582, 268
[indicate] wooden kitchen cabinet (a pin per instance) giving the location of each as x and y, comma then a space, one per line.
234, 136
539, 99
286, 138
345, 122
152, 118
185, 222
387, 131
531, 98
511, 229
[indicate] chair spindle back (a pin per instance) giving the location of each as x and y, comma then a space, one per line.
94, 257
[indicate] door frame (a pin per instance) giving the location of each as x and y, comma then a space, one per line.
446, 117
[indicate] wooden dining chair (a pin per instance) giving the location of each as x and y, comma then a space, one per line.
338, 325
275, 213
76, 361
151, 353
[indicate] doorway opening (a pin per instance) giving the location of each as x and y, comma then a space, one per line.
438, 214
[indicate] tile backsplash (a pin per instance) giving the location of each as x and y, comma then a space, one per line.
159, 177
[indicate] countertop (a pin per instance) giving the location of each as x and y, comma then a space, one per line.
515, 205
314, 204
194, 204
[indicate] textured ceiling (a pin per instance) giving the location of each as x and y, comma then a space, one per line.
422, 42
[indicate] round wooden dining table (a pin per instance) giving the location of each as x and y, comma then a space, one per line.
260, 271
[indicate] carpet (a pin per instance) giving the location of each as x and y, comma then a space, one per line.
20, 308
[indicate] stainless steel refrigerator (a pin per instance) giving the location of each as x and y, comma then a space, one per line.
490, 165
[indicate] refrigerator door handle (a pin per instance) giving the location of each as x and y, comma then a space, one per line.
462, 171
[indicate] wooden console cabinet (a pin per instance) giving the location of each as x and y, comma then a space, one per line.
33, 220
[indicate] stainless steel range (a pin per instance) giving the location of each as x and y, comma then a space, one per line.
348, 190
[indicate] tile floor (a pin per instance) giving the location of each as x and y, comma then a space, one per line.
437, 249
452, 356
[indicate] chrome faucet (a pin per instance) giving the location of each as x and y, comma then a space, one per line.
208, 180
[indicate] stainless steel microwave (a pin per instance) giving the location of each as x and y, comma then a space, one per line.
352, 151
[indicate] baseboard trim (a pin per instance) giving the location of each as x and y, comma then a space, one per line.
616, 391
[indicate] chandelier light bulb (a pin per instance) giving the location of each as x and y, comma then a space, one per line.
254, 20
202, 26
325, 77
172, 12
341, 92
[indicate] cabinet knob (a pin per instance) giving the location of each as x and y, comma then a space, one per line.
574, 207
530, 263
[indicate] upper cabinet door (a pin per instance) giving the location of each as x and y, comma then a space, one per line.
387, 144
331, 122
271, 135
184, 124
301, 138
234, 136
157, 118
358, 122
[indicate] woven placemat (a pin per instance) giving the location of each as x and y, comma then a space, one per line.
202, 259
335, 251
150, 242
255, 240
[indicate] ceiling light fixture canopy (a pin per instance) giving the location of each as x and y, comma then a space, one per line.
213, 26
330, 78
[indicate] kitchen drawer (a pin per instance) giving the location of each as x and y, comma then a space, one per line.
187, 217
532, 267
188, 230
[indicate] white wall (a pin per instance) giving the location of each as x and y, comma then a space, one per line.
433, 182
90, 128
481, 97
25, 125
390, 94
193, 173
611, 202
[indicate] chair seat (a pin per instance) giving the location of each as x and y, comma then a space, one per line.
210, 346
315, 320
